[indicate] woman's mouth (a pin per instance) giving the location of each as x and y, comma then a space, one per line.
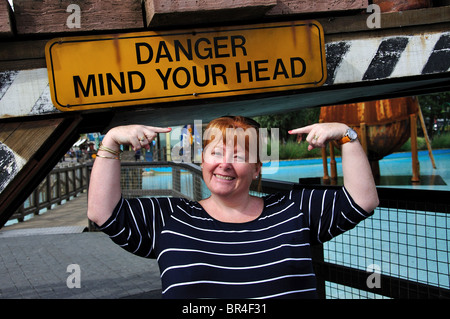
227, 178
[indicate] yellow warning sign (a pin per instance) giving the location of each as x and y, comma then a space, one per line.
155, 66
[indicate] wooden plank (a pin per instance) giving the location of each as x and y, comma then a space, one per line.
431, 17
25, 139
286, 7
19, 142
22, 55
22, 50
6, 129
186, 12
55, 16
6, 29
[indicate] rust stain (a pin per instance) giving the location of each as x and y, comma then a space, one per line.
294, 34
387, 122
117, 49
309, 39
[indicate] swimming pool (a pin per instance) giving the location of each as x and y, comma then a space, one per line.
396, 164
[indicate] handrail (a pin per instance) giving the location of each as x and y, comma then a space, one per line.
61, 184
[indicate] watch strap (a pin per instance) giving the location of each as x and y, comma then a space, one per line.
344, 140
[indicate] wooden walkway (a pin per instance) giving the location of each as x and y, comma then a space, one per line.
72, 213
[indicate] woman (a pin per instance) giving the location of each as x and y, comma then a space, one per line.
231, 244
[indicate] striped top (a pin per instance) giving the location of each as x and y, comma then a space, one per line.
201, 257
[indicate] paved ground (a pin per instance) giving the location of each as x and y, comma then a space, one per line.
35, 259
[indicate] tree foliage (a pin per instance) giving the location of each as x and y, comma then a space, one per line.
436, 111
288, 121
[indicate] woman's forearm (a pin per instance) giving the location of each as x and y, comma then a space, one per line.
358, 178
104, 187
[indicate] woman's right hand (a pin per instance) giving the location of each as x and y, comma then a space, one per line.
138, 136
104, 186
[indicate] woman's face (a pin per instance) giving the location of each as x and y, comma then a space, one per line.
227, 171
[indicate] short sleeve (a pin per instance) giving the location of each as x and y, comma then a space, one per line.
135, 223
329, 212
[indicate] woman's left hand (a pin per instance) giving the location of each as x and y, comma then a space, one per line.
321, 133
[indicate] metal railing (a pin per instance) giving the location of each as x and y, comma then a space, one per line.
162, 179
62, 184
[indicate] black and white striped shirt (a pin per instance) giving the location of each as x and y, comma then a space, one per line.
201, 257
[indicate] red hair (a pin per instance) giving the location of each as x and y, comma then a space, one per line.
223, 123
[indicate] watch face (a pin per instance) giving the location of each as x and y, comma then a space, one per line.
352, 134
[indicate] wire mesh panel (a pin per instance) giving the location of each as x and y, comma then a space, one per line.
162, 179
338, 291
405, 243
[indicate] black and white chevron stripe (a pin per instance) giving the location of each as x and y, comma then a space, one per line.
24, 93
390, 57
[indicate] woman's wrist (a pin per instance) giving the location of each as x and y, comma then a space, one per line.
110, 144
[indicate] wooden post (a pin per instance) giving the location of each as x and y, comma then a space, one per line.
333, 168
58, 187
363, 137
425, 133
326, 177
48, 190
414, 156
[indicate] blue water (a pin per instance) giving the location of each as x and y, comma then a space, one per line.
397, 164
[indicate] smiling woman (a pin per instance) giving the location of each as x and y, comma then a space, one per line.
230, 164
231, 244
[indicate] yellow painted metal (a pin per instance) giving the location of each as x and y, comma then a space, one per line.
102, 71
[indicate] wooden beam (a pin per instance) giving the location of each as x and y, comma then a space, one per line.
49, 16
22, 55
399, 21
6, 29
181, 12
284, 7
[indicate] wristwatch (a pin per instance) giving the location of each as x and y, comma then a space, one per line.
349, 136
